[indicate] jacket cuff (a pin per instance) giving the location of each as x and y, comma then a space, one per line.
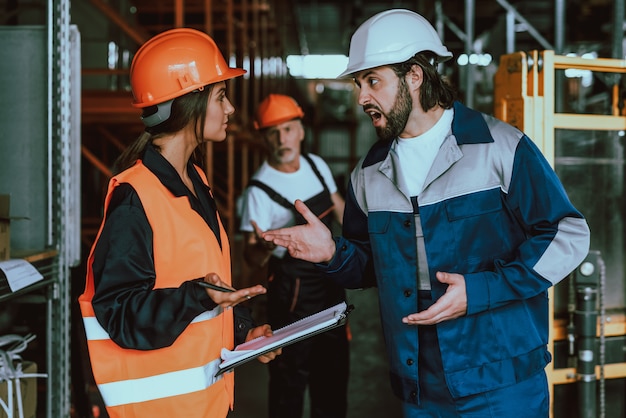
342, 251
477, 290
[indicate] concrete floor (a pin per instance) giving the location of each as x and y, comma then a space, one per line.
369, 389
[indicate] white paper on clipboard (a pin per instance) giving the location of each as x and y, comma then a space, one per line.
305, 328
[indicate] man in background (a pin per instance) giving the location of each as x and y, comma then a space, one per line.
296, 289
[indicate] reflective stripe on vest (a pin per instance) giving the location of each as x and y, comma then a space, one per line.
95, 332
177, 380
157, 386
161, 386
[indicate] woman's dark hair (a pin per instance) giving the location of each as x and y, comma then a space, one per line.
187, 109
435, 89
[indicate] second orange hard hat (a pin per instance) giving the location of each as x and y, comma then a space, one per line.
276, 109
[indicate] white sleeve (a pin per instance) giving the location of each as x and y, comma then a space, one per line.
258, 206
254, 200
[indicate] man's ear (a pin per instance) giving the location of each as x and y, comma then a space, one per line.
415, 77
303, 131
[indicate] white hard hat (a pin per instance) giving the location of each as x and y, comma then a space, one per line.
392, 37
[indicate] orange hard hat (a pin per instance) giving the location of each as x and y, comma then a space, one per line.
174, 63
276, 109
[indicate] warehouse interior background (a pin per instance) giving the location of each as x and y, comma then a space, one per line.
554, 68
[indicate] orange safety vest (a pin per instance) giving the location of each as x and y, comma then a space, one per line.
175, 381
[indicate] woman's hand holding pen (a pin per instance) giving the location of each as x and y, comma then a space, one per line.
225, 295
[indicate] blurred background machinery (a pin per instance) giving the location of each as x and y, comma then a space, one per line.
582, 135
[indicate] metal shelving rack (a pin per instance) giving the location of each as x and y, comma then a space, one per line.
56, 197
64, 196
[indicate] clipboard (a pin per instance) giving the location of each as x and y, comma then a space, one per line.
304, 328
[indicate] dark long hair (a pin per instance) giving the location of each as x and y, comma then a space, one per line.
435, 89
187, 109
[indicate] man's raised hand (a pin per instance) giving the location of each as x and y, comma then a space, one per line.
312, 241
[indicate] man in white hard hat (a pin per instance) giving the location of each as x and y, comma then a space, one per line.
462, 225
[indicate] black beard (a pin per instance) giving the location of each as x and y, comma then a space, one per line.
398, 115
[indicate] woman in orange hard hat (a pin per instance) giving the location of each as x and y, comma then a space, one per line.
154, 334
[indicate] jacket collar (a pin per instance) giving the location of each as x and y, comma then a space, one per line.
469, 126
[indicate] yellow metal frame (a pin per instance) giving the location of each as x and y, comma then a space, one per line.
524, 96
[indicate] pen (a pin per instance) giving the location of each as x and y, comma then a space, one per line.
214, 287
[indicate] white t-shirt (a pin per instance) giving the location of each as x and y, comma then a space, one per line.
303, 184
417, 154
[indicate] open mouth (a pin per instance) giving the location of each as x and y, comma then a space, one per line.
375, 115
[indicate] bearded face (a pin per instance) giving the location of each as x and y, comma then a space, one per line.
398, 116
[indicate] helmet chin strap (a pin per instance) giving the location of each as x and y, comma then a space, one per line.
164, 110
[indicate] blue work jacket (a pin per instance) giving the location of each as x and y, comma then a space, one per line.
493, 210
